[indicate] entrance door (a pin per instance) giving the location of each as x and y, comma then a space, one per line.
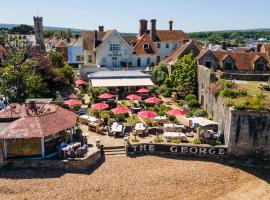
138, 62
114, 61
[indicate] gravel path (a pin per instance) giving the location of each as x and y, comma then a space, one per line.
136, 178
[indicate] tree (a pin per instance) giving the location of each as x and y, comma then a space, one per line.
184, 74
160, 73
22, 29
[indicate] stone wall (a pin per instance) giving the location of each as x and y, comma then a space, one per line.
1, 154
247, 133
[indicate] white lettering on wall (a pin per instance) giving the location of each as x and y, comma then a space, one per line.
174, 149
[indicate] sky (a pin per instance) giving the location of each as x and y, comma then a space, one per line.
124, 15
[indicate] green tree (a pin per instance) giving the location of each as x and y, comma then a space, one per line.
160, 73
22, 29
184, 74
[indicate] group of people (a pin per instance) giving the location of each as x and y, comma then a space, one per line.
77, 150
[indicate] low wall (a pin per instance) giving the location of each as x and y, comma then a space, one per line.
244, 76
90, 159
177, 149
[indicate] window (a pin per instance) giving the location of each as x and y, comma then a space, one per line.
146, 46
138, 62
104, 61
148, 61
228, 65
158, 59
260, 67
78, 58
90, 58
115, 47
158, 45
167, 45
208, 64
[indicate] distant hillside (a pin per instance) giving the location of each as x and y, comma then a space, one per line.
46, 28
228, 31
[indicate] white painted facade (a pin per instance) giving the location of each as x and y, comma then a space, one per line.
114, 51
146, 60
75, 53
165, 48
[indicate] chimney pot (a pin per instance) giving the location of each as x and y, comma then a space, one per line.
223, 46
171, 25
259, 47
101, 28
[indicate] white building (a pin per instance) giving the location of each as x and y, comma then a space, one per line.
112, 49
75, 52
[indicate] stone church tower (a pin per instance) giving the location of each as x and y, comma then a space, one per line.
38, 29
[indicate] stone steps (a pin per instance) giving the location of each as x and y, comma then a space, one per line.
114, 151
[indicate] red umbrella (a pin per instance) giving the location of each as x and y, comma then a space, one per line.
105, 96
147, 114
120, 110
176, 112
143, 90
80, 82
99, 106
72, 102
134, 97
153, 100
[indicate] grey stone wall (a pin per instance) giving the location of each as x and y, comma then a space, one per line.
247, 133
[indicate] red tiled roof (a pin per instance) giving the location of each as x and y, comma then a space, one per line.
172, 35
30, 124
139, 46
243, 61
61, 44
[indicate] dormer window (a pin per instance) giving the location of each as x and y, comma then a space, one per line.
228, 63
260, 64
146, 46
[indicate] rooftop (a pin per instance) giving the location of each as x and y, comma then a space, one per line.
117, 74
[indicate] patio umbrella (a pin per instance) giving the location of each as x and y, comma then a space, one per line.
147, 114
176, 112
99, 106
80, 82
133, 97
72, 102
153, 100
143, 90
120, 110
105, 96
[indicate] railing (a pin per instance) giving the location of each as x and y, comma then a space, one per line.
119, 68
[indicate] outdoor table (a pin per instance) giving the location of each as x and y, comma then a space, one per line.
136, 108
174, 135
117, 128
160, 118
140, 127
74, 146
173, 127
88, 119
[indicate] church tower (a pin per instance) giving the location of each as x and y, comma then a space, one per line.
38, 29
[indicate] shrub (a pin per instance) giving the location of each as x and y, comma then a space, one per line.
210, 117
193, 103
200, 113
215, 142
182, 103
196, 141
228, 102
176, 141
158, 140
135, 140
172, 118
190, 97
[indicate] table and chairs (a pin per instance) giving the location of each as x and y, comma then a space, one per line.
72, 150
140, 128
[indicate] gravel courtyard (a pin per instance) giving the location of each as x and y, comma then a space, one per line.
138, 178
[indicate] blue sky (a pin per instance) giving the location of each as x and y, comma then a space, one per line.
189, 15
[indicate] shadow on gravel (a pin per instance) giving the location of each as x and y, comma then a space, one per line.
33, 173
257, 169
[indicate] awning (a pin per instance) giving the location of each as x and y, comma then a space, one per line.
202, 121
121, 82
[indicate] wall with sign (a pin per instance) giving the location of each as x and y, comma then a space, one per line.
114, 57
199, 150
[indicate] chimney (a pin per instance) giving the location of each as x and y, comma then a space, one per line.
223, 46
95, 39
153, 31
259, 47
101, 28
171, 25
143, 27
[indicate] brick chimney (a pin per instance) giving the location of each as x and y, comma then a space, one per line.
95, 39
153, 31
101, 28
143, 27
259, 47
223, 46
171, 25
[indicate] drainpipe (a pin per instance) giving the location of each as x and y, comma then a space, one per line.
42, 148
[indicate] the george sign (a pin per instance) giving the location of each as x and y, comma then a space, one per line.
176, 149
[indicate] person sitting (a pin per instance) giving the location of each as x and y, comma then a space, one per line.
72, 153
